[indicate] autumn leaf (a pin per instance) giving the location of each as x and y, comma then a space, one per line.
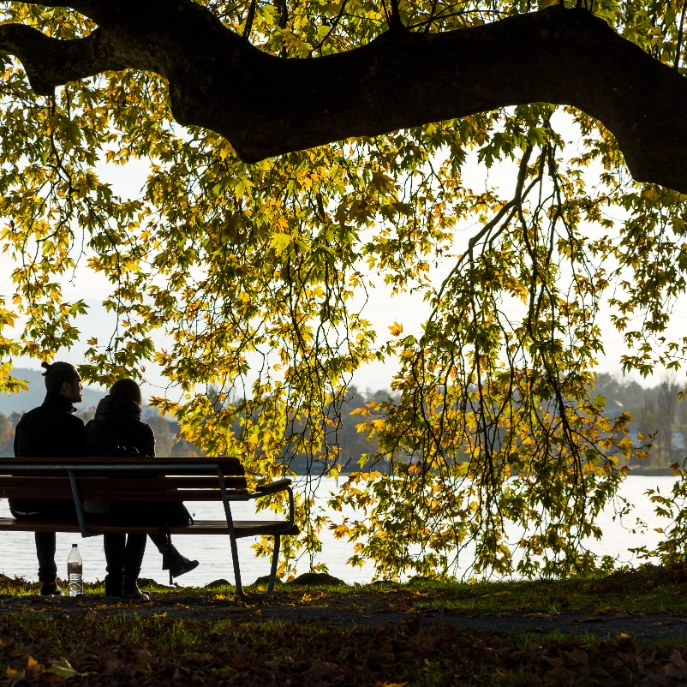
280, 242
33, 668
62, 668
13, 674
396, 329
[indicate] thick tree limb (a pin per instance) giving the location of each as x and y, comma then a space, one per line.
266, 105
50, 62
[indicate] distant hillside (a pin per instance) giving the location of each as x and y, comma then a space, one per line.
25, 400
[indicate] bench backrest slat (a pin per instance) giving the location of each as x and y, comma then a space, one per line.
109, 460
120, 479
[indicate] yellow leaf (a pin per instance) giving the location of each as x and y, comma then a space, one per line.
396, 329
280, 242
33, 667
13, 674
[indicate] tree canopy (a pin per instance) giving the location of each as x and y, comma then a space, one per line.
299, 149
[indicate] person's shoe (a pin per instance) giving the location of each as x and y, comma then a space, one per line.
113, 586
51, 589
130, 589
177, 564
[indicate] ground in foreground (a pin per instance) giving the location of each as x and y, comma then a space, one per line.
393, 635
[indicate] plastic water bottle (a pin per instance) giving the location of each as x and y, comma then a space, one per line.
75, 572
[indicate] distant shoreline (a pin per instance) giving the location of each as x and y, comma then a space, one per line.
641, 471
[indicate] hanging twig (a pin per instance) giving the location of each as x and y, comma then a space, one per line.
249, 19
679, 35
283, 21
431, 15
335, 23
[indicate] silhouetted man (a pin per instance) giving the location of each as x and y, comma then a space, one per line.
50, 431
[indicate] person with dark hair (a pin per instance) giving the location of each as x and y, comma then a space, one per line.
51, 430
117, 426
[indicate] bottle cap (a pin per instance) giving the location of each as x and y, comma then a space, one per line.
74, 546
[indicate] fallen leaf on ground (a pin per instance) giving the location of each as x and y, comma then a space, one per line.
62, 668
33, 667
13, 674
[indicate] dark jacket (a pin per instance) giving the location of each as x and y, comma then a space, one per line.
117, 422
50, 431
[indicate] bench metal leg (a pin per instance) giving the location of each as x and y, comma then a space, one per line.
237, 570
237, 567
273, 570
78, 505
235, 550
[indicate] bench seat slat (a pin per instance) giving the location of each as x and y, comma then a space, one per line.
244, 528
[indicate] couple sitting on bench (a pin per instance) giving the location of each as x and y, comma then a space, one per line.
51, 430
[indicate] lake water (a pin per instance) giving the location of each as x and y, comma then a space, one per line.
19, 556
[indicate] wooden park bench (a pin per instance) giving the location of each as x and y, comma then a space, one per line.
144, 479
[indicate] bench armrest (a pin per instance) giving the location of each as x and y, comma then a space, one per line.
273, 487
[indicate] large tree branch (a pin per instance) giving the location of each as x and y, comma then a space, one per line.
50, 62
266, 105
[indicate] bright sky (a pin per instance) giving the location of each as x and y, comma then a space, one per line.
382, 309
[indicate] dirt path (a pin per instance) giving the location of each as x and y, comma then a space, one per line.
649, 625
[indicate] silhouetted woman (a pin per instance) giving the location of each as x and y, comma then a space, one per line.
117, 423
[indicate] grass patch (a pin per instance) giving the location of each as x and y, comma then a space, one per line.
648, 589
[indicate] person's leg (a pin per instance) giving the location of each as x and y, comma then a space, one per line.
114, 545
45, 541
172, 560
160, 542
133, 557
45, 550
46, 544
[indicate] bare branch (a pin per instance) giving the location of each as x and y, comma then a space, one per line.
249, 19
678, 48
